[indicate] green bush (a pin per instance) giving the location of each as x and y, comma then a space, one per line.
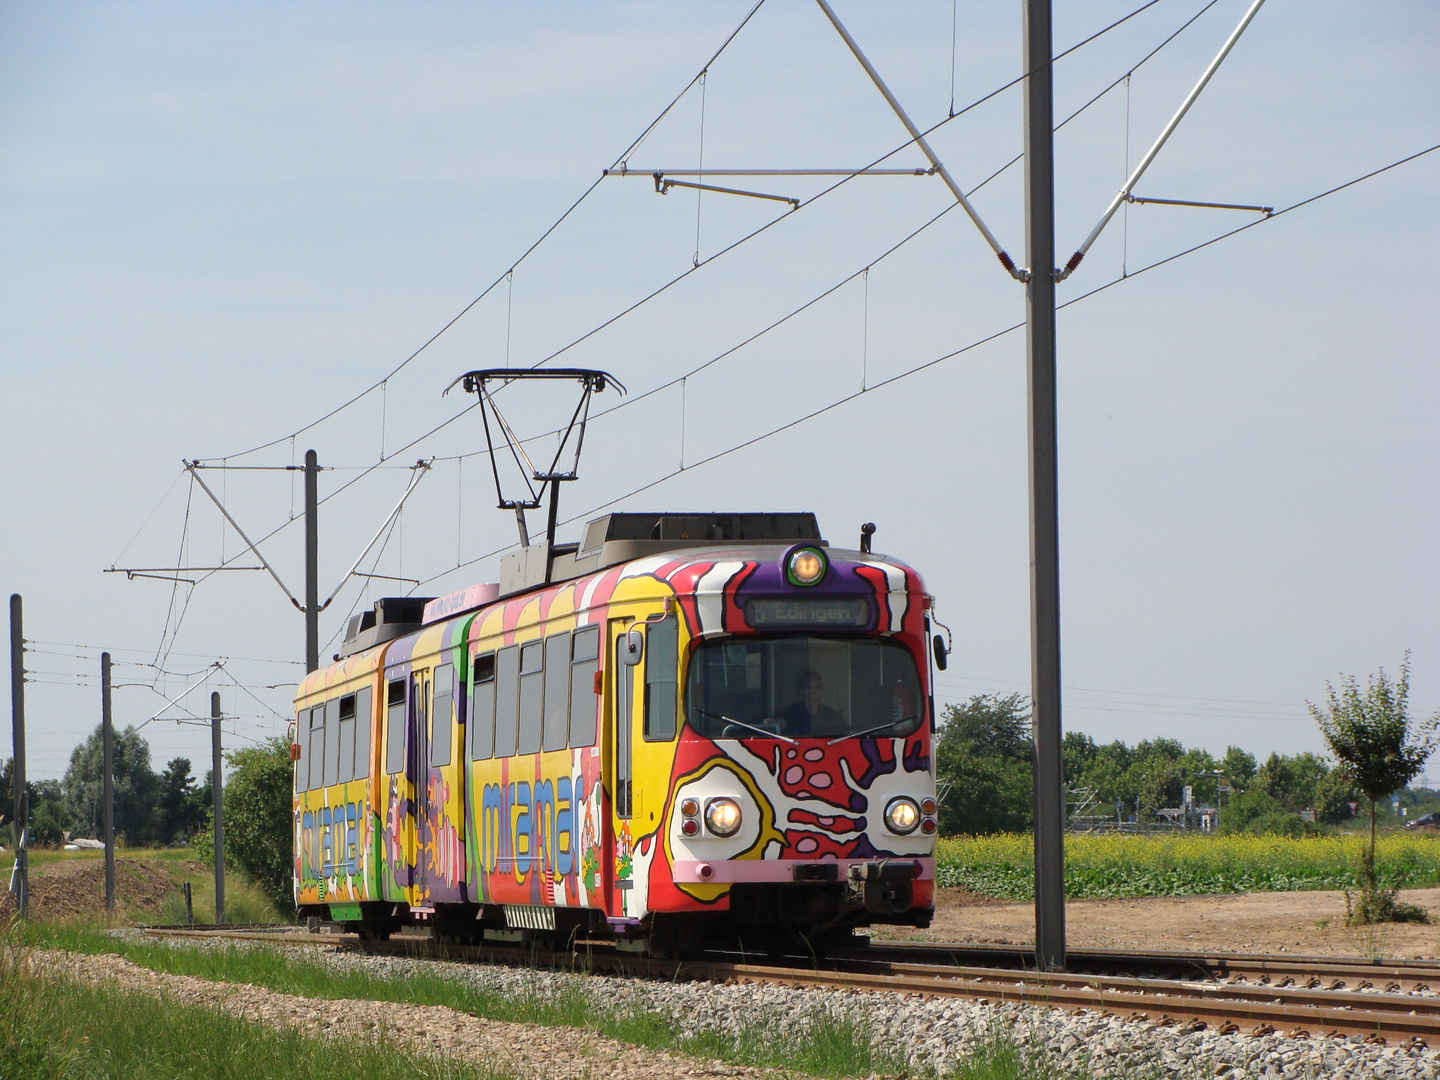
1245, 807
1283, 824
258, 816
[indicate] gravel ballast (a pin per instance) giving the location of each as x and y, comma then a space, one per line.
934, 1036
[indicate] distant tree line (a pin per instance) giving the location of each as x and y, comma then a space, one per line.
983, 770
151, 809
169, 808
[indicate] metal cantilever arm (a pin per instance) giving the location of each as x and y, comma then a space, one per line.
1000, 253
770, 172
194, 471
419, 469
663, 186
1124, 193
211, 670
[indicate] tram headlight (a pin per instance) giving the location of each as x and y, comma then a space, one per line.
902, 815
722, 816
805, 566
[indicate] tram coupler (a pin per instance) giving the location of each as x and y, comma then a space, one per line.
883, 886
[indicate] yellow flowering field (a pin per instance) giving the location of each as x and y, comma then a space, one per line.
1185, 864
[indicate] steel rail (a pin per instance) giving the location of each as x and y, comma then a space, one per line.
1197, 1005
1294, 996
1227, 1007
1332, 972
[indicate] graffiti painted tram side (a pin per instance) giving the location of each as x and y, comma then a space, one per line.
684, 730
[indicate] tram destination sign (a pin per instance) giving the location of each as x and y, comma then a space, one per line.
840, 612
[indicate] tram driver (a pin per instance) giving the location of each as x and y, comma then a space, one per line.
809, 715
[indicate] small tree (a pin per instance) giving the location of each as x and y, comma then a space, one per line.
135, 785
258, 818
1370, 735
181, 804
1239, 767
982, 764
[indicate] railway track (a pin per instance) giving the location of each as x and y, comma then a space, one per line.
1298, 996
1280, 969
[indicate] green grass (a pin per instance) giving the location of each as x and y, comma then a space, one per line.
52, 1028
831, 1044
244, 902
1000, 1057
1109, 866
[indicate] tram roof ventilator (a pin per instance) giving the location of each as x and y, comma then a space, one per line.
608, 541
392, 617
619, 538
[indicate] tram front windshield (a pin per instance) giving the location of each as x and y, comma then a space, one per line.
802, 687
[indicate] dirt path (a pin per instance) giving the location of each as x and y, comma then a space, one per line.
556, 1053
1293, 922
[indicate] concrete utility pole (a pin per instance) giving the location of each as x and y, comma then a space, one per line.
108, 735
1044, 502
312, 561
216, 791
20, 880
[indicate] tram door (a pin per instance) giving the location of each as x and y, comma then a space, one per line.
619, 742
417, 765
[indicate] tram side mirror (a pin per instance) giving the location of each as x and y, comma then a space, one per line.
941, 656
632, 648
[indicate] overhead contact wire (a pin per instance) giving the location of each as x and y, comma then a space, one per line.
524, 255
620, 161
723, 251
951, 355
636, 398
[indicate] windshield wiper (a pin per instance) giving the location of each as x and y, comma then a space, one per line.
873, 730
750, 727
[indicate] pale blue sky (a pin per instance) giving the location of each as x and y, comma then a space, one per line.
218, 222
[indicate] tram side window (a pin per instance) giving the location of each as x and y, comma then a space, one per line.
661, 673
482, 708
362, 735
347, 740
557, 691
316, 750
584, 662
332, 740
532, 696
395, 726
507, 699
443, 724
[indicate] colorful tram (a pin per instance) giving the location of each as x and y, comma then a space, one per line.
685, 729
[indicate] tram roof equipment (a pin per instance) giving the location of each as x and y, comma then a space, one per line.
620, 537
607, 541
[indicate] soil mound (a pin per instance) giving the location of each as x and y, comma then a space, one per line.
75, 889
